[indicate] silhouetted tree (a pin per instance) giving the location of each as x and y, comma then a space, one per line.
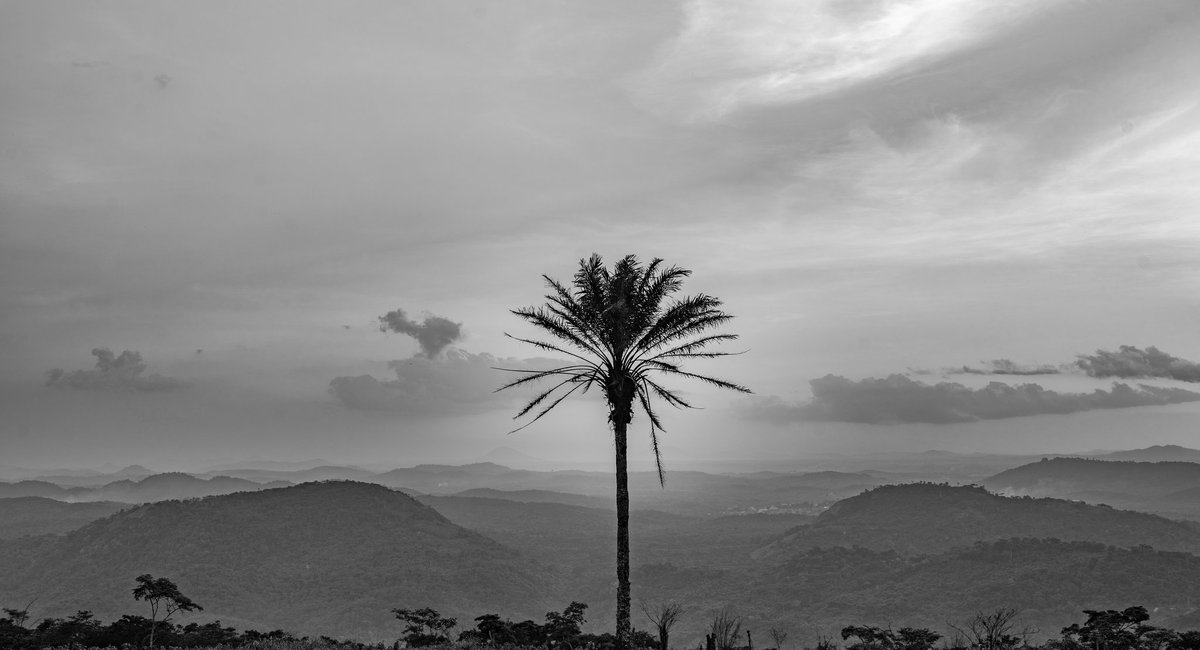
621, 328
563, 628
425, 626
664, 616
163, 595
1111, 629
726, 629
778, 636
990, 631
874, 638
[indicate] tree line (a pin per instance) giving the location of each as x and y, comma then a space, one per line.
425, 627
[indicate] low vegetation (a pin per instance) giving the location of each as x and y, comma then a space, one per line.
1110, 629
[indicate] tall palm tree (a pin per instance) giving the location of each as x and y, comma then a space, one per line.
622, 329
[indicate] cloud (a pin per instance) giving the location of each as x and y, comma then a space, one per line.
1009, 367
114, 373
732, 55
1129, 361
458, 381
898, 399
434, 333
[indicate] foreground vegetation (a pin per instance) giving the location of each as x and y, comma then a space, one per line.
1111, 629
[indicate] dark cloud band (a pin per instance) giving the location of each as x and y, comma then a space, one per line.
898, 399
1130, 362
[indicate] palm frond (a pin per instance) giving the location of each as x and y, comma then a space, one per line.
688, 316
655, 426
674, 370
550, 347
556, 325
549, 408
691, 350
535, 375
668, 396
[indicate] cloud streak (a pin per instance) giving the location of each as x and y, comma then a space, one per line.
1009, 367
898, 399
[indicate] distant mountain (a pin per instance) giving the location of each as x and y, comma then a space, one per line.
271, 465
170, 485
320, 473
87, 478
21, 516
540, 496
133, 471
1066, 476
31, 489
511, 457
319, 558
685, 492
1156, 454
920, 518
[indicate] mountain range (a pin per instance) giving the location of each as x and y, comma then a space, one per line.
335, 557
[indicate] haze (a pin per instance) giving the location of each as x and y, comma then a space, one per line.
238, 192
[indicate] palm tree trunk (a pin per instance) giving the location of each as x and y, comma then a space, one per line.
624, 626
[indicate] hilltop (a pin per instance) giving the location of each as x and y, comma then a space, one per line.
1156, 454
919, 518
318, 558
1066, 476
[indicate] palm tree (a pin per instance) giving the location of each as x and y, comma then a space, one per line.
622, 328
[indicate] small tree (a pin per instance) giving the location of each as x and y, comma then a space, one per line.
163, 595
874, 638
1107, 629
664, 616
564, 627
726, 629
778, 636
17, 617
990, 631
425, 626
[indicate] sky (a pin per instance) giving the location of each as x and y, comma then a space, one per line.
237, 192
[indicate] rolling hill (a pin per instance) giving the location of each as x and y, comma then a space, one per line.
1168, 488
1067, 476
318, 558
32, 488
20, 516
921, 518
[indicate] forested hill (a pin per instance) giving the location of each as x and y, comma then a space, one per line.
920, 518
317, 558
1047, 580
1064, 476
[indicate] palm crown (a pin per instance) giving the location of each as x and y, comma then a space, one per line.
623, 328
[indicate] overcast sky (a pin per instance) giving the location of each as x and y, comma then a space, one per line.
237, 191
